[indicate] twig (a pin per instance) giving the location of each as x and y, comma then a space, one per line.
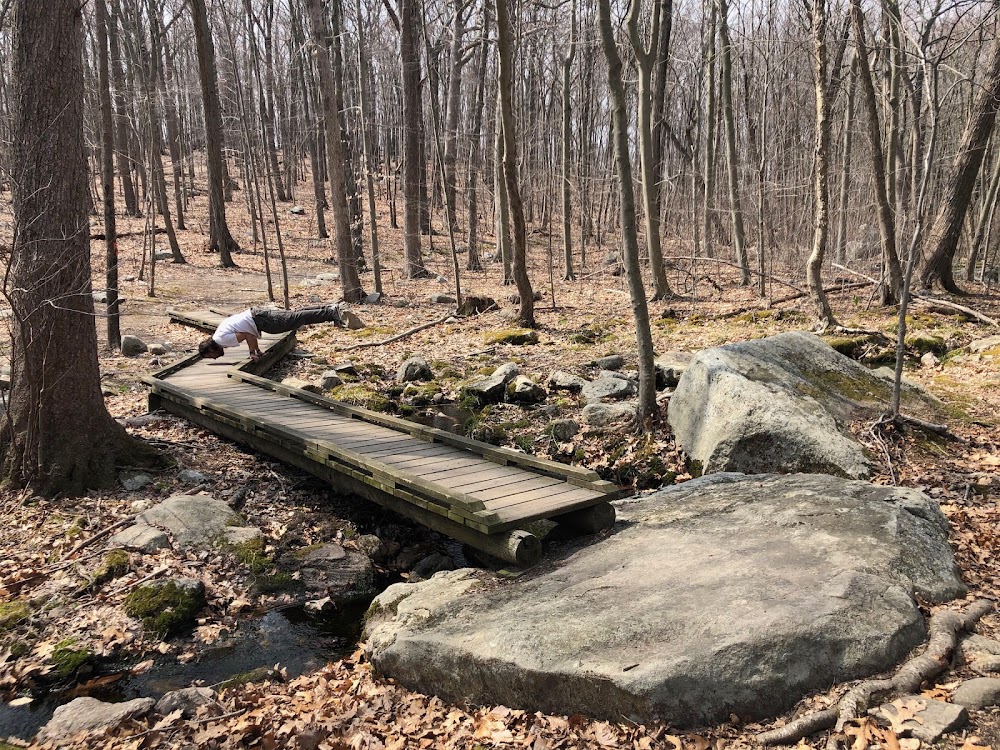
397, 337
99, 535
939, 429
944, 629
720, 261
851, 271
158, 572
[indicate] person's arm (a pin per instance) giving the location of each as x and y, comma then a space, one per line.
251, 341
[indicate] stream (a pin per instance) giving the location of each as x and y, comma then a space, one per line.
292, 638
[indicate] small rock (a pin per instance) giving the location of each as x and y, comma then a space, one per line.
239, 536
474, 304
101, 297
138, 506
372, 299
523, 390
442, 299
491, 389
515, 298
935, 719
329, 276
302, 385
158, 349
186, 700
563, 430
145, 420
133, 346
163, 255
351, 321
399, 302
982, 345
87, 714
345, 368
441, 279
197, 520
612, 362
669, 368
310, 282
929, 359
297, 211
986, 663
979, 644
190, 476
451, 319
608, 415
134, 480
321, 361
564, 381
426, 568
140, 537
331, 571
329, 379
979, 692
414, 369
607, 387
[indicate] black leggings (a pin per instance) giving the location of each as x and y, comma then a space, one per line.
269, 320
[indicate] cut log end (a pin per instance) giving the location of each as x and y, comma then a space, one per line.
589, 520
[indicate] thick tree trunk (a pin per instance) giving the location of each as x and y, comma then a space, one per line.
220, 238
410, 59
367, 117
57, 436
474, 262
983, 223
346, 257
519, 261
567, 151
944, 235
630, 241
454, 106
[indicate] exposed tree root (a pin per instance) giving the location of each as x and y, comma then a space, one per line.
944, 629
946, 306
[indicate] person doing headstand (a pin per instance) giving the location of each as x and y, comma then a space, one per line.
247, 326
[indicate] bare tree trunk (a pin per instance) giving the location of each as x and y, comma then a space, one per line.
519, 261
121, 118
821, 216
947, 228
567, 150
346, 257
983, 222
630, 241
366, 116
166, 89
732, 156
410, 58
504, 241
843, 203
220, 238
887, 224
458, 61
474, 262
108, 176
56, 436
710, 121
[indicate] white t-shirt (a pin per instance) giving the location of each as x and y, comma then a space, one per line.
225, 334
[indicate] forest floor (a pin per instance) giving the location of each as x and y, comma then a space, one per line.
588, 318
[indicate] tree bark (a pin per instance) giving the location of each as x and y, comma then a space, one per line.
346, 257
567, 150
57, 436
944, 235
821, 167
220, 238
409, 54
519, 261
474, 261
630, 241
108, 176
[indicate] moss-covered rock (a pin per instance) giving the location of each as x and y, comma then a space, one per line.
854, 346
360, 395
67, 658
516, 336
116, 564
12, 613
421, 394
922, 342
167, 607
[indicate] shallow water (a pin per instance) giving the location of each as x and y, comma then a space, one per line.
290, 638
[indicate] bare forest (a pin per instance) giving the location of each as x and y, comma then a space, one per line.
546, 184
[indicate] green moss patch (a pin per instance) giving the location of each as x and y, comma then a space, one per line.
515, 336
12, 613
116, 564
922, 342
165, 608
360, 395
67, 659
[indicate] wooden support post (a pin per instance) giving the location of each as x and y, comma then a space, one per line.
589, 520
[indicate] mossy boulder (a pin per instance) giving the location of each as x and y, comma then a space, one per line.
167, 607
115, 564
922, 342
515, 336
360, 395
12, 613
68, 658
854, 346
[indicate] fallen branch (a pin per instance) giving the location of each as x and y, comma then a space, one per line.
944, 629
98, 536
934, 302
938, 429
672, 260
156, 573
397, 337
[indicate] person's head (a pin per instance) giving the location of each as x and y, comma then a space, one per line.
210, 349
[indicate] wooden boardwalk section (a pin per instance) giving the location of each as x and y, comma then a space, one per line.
474, 492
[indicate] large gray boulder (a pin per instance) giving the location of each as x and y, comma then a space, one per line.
726, 594
778, 404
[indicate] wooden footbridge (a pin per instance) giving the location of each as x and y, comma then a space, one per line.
477, 493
